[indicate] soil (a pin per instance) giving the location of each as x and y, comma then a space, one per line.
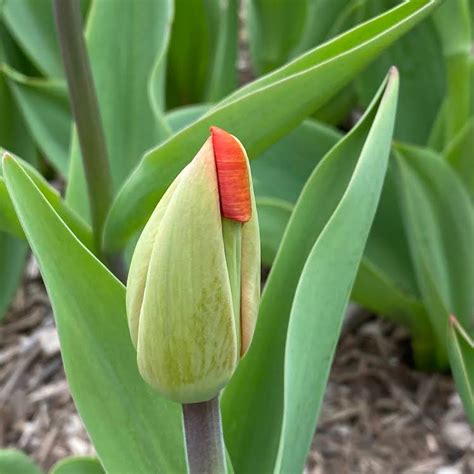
379, 414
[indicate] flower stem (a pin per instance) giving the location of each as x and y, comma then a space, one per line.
86, 113
204, 440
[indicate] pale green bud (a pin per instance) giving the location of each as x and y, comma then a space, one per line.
194, 282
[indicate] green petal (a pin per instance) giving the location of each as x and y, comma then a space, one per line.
141, 261
250, 267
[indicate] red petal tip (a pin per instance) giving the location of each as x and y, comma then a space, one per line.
232, 176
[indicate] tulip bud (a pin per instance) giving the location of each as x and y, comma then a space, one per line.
194, 282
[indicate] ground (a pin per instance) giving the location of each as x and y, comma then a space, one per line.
379, 414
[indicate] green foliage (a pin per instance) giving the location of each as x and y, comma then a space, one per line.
338, 218
97, 352
272, 106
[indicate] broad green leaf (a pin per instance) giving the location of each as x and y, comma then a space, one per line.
253, 402
261, 112
439, 222
461, 356
136, 35
99, 359
71, 219
419, 58
45, 109
324, 287
275, 28
78, 465
13, 461
31, 22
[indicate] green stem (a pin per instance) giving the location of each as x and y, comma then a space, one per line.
86, 112
203, 435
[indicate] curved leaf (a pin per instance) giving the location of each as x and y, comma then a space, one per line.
260, 112
324, 288
99, 359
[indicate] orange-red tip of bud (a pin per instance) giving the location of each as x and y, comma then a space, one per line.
232, 176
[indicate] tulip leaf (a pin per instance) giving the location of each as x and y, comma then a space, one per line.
261, 112
330, 223
439, 222
78, 465
13, 461
99, 359
461, 356
45, 108
139, 31
324, 287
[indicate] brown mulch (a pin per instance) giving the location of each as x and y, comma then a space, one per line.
379, 415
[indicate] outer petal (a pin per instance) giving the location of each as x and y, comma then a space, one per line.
187, 344
250, 268
140, 263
